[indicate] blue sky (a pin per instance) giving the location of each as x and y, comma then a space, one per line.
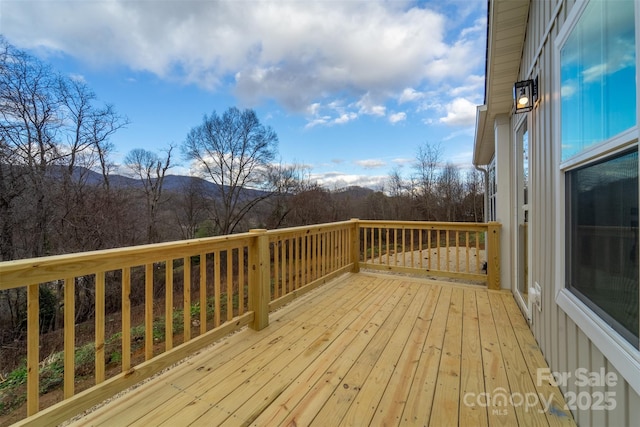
352, 88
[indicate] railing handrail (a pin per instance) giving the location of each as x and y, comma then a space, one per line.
306, 229
428, 224
48, 268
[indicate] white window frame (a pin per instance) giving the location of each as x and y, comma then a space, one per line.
491, 191
618, 351
517, 207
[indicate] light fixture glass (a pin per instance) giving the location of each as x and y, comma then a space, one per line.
523, 99
525, 94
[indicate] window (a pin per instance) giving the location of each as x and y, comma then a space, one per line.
598, 74
522, 212
598, 118
602, 241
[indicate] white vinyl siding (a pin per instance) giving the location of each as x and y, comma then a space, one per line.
566, 344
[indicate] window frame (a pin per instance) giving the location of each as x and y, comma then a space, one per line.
522, 126
492, 190
619, 351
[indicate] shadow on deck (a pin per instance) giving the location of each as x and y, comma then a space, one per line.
364, 349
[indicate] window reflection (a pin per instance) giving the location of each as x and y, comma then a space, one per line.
598, 73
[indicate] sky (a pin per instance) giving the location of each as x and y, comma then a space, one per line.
352, 88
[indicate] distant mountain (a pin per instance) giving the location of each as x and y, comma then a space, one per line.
181, 183
354, 192
172, 183
94, 178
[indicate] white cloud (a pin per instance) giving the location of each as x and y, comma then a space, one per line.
472, 85
318, 121
77, 78
368, 104
375, 110
337, 180
618, 57
403, 161
462, 56
334, 113
460, 112
371, 163
397, 117
568, 90
313, 109
345, 118
295, 52
468, 131
479, 26
409, 95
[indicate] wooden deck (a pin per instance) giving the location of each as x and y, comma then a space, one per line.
365, 349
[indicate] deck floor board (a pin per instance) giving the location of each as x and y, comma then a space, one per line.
364, 349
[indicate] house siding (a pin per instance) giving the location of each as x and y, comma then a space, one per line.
565, 347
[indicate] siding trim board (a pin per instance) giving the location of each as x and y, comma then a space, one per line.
616, 349
545, 37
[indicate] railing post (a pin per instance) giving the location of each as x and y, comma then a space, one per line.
33, 349
259, 277
355, 245
493, 255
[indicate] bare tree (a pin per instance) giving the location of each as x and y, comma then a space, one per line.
287, 181
190, 209
234, 151
11, 182
378, 206
51, 130
84, 141
474, 189
397, 190
450, 191
29, 127
151, 170
88, 127
11, 187
312, 206
426, 176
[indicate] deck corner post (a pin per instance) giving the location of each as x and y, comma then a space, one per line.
493, 255
259, 274
355, 245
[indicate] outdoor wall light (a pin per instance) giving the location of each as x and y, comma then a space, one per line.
525, 95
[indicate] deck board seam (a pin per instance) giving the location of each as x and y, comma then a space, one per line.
239, 375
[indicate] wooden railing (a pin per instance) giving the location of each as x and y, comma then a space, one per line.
197, 291
467, 251
305, 257
212, 301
